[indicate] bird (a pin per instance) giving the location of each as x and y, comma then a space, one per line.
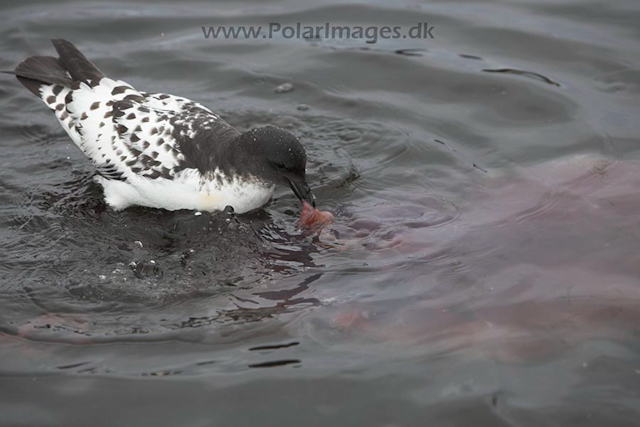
159, 150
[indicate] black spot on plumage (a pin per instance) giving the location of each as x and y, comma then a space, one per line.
131, 116
134, 152
95, 106
119, 108
136, 170
101, 124
121, 129
145, 119
154, 131
154, 154
167, 148
145, 160
68, 98
118, 152
51, 99
134, 138
180, 167
131, 162
59, 107
64, 115
138, 129
135, 98
109, 103
119, 89
163, 96
110, 171
145, 144
161, 129
153, 175
84, 116
166, 172
143, 109
108, 114
123, 158
57, 89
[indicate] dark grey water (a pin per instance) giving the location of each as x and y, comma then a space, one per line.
484, 267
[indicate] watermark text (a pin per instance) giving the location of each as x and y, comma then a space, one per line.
370, 34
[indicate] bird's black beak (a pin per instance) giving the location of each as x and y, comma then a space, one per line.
302, 191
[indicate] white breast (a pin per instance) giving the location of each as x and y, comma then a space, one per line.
188, 190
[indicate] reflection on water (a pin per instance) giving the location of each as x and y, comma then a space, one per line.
482, 268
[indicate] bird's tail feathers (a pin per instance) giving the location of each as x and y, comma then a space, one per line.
72, 66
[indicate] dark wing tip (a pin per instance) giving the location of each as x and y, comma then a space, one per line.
60, 42
78, 66
35, 71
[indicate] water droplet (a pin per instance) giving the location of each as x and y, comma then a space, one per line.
284, 88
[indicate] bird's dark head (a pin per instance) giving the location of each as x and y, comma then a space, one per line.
277, 156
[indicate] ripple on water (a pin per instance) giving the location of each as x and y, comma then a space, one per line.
83, 270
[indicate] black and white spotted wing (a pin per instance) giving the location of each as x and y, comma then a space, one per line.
125, 132
154, 150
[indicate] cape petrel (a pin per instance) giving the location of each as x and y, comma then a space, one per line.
160, 150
